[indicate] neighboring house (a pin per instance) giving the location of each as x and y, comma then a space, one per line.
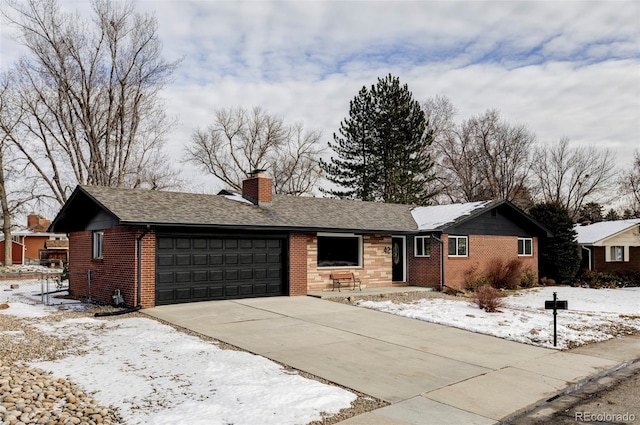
17, 252
166, 247
37, 244
610, 246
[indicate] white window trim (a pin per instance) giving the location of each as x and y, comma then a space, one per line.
524, 245
609, 258
415, 246
342, 235
456, 254
97, 245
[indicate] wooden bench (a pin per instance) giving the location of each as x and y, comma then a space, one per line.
344, 278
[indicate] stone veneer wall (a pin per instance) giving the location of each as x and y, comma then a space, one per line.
375, 270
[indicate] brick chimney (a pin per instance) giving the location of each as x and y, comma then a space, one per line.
37, 223
258, 188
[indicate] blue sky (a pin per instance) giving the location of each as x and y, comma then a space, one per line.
563, 68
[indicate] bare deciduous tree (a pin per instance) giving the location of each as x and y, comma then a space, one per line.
240, 141
90, 96
574, 175
629, 184
13, 193
482, 158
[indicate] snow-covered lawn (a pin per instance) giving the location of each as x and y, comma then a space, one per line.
155, 374
593, 315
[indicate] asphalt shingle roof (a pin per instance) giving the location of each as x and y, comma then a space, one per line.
138, 206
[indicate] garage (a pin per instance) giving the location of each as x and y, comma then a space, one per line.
192, 268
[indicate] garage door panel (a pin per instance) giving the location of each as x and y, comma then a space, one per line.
200, 268
182, 277
216, 291
200, 292
183, 293
164, 277
183, 243
215, 259
200, 276
199, 259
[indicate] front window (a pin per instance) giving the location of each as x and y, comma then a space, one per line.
617, 253
339, 251
98, 243
422, 246
458, 246
525, 246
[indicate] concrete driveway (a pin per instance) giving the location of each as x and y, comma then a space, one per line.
430, 373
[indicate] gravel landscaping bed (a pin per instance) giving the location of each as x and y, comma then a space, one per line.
29, 395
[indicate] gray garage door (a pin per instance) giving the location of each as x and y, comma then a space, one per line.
207, 268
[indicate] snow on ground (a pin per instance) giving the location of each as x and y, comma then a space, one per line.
155, 374
593, 315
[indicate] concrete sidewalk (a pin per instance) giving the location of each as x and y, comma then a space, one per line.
431, 374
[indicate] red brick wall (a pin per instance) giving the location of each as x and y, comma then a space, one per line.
117, 270
599, 263
298, 264
424, 271
482, 250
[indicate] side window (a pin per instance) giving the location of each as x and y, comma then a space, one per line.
616, 253
98, 244
525, 246
422, 246
458, 246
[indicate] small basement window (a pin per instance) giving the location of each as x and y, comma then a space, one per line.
98, 244
339, 250
422, 246
458, 246
525, 246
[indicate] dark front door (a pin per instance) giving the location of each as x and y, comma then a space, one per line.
211, 268
397, 259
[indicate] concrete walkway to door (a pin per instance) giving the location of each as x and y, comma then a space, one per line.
431, 374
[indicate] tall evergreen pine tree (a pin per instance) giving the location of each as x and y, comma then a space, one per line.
380, 148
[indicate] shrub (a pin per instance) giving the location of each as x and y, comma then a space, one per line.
546, 281
597, 280
528, 278
503, 275
473, 279
488, 298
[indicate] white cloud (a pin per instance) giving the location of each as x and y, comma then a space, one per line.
563, 68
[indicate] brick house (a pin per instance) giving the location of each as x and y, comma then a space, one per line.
610, 246
35, 244
167, 247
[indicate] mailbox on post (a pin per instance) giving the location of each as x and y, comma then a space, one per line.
556, 305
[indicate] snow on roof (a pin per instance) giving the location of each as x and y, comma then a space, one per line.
435, 216
595, 232
236, 197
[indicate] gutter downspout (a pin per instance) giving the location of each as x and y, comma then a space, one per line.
441, 242
586, 248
